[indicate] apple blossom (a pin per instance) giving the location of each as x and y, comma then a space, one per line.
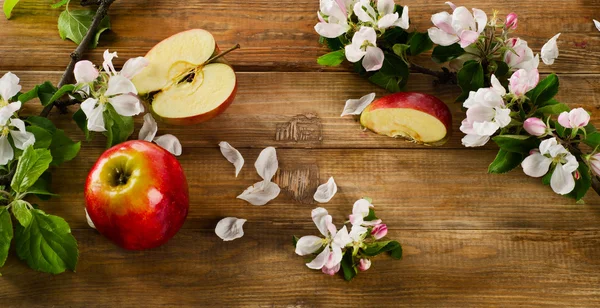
365, 12
9, 87
9, 125
575, 119
232, 155
522, 81
597, 24
379, 231
333, 18
326, 191
521, 56
360, 210
535, 127
356, 106
594, 161
550, 50
551, 153
230, 228
85, 72
364, 44
511, 21
388, 17
364, 264
167, 142
459, 27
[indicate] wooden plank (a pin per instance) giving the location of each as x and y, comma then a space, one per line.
302, 110
411, 189
275, 37
440, 269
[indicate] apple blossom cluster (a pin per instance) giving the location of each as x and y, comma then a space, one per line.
351, 251
11, 126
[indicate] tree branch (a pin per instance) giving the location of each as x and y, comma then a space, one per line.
444, 77
77, 54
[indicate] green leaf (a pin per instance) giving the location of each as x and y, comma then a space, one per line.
371, 216
548, 103
516, 143
593, 139
443, 54
546, 178
333, 43
505, 161
42, 137
81, 120
45, 92
389, 83
63, 148
68, 88
29, 95
31, 165
42, 122
376, 248
501, 69
583, 184
8, 7
59, 4
348, 268
333, 58
395, 35
470, 78
552, 109
545, 90
41, 188
400, 50
6, 234
119, 128
47, 244
74, 25
22, 213
419, 43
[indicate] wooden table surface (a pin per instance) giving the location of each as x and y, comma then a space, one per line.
470, 239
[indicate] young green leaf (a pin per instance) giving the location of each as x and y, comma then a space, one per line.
470, 78
59, 4
389, 83
419, 42
30, 167
371, 216
63, 148
45, 92
47, 244
60, 93
400, 50
8, 7
443, 54
583, 184
42, 137
74, 25
592, 139
553, 109
501, 69
41, 188
21, 211
295, 240
545, 90
42, 122
81, 120
6, 233
333, 58
376, 248
395, 35
348, 268
333, 43
505, 161
29, 95
516, 143
119, 128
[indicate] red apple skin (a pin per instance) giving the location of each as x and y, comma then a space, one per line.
199, 118
150, 208
418, 101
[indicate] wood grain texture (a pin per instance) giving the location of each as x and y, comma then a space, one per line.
276, 36
439, 269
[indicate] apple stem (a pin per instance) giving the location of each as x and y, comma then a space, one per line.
237, 46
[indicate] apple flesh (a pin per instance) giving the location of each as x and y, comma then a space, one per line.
419, 117
137, 195
179, 85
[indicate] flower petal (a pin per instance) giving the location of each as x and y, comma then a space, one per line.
336, 256
385, 7
9, 86
260, 193
120, 85
330, 30
7, 112
563, 119
536, 165
474, 140
373, 59
359, 10
356, 106
18, 123
502, 117
562, 182
169, 143
320, 260
403, 21
22, 139
6, 151
107, 64
443, 20
497, 86
126, 105
597, 24
479, 113
357, 232
85, 72
230, 228
322, 219
441, 37
149, 128
89, 220
266, 164
387, 21
467, 38
480, 19
578, 117
94, 115
326, 191
354, 53
547, 144
232, 155
133, 66
572, 164
550, 50
308, 244
342, 238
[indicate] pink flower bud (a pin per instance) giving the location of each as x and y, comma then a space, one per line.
535, 126
577, 175
379, 231
511, 21
364, 264
331, 271
595, 163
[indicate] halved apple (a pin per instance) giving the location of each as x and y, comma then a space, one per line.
419, 117
183, 82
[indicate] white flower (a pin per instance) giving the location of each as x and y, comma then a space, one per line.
575, 119
85, 72
9, 87
167, 142
230, 228
16, 129
389, 18
522, 81
326, 191
232, 155
364, 44
551, 153
333, 19
360, 210
356, 106
550, 50
459, 27
365, 12
522, 57
334, 241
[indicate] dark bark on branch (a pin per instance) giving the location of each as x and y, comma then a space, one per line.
443, 77
77, 54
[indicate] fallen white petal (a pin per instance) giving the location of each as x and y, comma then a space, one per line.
169, 143
149, 128
89, 220
232, 155
266, 164
597, 24
356, 106
260, 193
230, 228
326, 191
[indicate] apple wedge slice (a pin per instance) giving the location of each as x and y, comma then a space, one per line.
419, 117
186, 81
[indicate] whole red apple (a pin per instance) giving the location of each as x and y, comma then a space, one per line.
137, 195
